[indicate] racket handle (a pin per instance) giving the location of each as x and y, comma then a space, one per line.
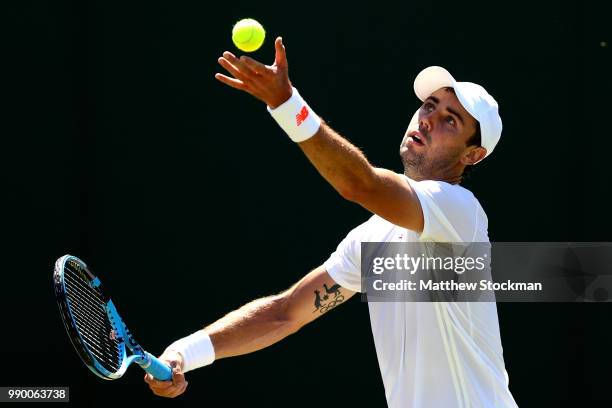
158, 369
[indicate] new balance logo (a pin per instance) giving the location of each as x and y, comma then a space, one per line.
301, 117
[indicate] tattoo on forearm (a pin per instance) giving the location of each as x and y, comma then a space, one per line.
323, 303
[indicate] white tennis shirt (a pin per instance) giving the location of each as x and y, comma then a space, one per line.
438, 355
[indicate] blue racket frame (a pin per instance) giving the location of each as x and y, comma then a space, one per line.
145, 360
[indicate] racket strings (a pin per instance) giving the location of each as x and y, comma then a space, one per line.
88, 309
75, 291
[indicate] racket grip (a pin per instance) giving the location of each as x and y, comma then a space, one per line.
158, 369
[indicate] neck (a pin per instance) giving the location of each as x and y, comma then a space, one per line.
451, 177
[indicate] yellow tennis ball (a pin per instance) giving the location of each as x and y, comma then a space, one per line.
248, 35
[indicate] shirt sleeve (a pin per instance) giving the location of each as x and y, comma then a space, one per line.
344, 265
450, 213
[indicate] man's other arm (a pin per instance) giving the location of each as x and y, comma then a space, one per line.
259, 324
265, 321
343, 165
346, 168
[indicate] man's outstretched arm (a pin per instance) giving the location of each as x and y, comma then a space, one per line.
259, 324
343, 165
379, 190
265, 321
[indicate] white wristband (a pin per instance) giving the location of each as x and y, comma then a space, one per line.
197, 350
296, 118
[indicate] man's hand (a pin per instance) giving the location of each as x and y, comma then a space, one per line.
268, 83
178, 385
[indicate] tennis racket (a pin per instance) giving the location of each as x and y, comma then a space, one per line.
94, 327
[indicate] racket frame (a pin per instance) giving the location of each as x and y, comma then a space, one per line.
139, 356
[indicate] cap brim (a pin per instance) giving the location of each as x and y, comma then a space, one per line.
430, 80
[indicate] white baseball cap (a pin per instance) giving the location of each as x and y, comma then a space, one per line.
474, 98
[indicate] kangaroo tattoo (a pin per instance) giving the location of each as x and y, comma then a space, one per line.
317, 302
334, 289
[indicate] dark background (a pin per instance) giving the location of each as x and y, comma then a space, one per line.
119, 146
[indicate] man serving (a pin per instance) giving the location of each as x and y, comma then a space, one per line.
435, 354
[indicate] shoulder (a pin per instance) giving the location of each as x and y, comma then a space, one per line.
445, 193
452, 206
442, 189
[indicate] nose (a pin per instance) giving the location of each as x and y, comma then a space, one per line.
425, 123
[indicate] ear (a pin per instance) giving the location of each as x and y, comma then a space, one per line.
473, 155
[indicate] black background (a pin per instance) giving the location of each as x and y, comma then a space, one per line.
119, 146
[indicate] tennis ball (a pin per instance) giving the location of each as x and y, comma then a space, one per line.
248, 35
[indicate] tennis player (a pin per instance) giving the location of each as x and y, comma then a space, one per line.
437, 354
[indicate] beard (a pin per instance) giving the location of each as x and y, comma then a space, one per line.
425, 165
415, 165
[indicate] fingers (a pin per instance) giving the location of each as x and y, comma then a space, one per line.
280, 59
178, 391
234, 83
177, 376
243, 70
231, 68
239, 64
255, 66
168, 389
179, 385
270, 84
157, 384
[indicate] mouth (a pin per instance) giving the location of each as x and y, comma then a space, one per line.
416, 137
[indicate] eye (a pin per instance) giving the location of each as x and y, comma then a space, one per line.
428, 106
451, 121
